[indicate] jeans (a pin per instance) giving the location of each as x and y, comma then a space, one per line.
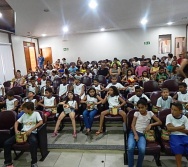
32, 139
141, 145
88, 117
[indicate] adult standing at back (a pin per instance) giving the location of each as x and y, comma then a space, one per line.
40, 61
184, 66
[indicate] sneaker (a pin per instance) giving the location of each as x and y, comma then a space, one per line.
54, 134
34, 165
74, 135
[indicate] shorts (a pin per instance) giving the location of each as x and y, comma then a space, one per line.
47, 113
179, 144
109, 109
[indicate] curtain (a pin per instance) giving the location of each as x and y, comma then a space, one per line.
6, 63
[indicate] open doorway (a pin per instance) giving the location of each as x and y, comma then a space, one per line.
47, 54
30, 55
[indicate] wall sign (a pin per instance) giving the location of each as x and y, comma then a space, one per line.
147, 43
65, 49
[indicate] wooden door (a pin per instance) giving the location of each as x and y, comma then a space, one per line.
27, 58
47, 54
32, 58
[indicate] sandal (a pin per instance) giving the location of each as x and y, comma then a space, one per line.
54, 134
98, 133
74, 135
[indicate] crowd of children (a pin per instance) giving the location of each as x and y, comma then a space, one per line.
122, 79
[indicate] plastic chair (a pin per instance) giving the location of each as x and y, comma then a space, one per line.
7, 120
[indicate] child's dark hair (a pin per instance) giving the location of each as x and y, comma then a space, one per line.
10, 93
174, 69
137, 87
145, 72
63, 78
182, 84
93, 90
49, 90
67, 99
95, 80
128, 71
178, 105
28, 105
115, 90
43, 75
48, 80
161, 68
32, 79
164, 89
142, 101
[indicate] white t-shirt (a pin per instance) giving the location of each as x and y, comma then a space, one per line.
164, 104
78, 76
33, 100
72, 103
135, 98
43, 83
92, 99
117, 85
1, 91
10, 103
78, 89
88, 75
113, 101
63, 89
49, 101
32, 89
97, 87
177, 122
183, 98
142, 121
29, 121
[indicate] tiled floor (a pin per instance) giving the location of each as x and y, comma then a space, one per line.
75, 158
102, 151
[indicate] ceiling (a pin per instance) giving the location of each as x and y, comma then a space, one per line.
111, 14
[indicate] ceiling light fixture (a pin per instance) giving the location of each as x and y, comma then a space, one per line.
170, 23
1, 15
43, 35
144, 21
93, 4
65, 29
102, 29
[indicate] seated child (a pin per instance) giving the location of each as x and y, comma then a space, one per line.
69, 105
132, 85
91, 100
43, 81
182, 97
128, 76
30, 98
54, 75
177, 124
98, 87
140, 124
164, 102
79, 88
48, 85
161, 74
135, 98
88, 73
48, 103
32, 87
31, 121
114, 101
78, 74
114, 82
11, 102
64, 87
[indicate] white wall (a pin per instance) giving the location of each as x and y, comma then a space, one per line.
4, 38
102, 45
19, 55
